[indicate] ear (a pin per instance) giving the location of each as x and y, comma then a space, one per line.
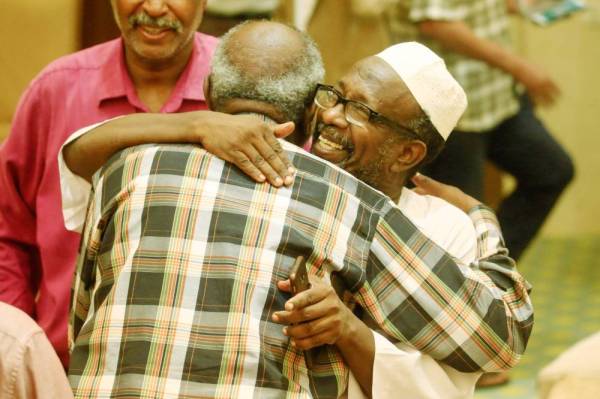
408, 154
206, 89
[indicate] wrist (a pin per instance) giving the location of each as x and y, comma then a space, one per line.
517, 68
195, 126
469, 204
351, 332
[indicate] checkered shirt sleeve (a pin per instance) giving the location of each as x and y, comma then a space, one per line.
472, 317
444, 10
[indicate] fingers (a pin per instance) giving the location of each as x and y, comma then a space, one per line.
270, 149
427, 185
316, 333
316, 293
259, 162
549, 94
241, 161
308, 305
285, 285
252, 146
305, 314
545, 95
327, 337
284, 130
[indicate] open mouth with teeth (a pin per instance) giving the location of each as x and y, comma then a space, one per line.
331, 144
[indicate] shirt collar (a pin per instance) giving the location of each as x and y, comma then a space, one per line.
192, 78
114, 76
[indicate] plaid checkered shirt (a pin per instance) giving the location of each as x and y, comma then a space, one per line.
491, 92
175, 283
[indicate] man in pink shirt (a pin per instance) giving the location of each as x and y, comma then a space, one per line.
158, 65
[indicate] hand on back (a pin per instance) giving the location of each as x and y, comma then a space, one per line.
252, 145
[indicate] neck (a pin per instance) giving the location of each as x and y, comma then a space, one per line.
393, 187
154, 81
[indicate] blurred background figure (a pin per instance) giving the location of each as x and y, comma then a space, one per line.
575, 374
222, 15
29, 367
500, 125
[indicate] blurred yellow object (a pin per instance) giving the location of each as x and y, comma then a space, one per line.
575, 374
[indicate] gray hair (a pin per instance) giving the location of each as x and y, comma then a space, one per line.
428, 134
290, 91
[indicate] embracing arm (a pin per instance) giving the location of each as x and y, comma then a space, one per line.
475, 317
379, 368
317, 317
243, 140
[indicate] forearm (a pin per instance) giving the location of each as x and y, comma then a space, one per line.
358, 350
89, 152
475, 307
458, 37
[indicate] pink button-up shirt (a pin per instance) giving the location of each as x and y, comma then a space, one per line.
37, 253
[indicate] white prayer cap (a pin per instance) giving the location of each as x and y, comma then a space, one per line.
425, 74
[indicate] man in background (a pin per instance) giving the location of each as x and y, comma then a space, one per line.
222, 15
499, 124
29, 367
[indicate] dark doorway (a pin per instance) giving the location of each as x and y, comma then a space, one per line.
97, 23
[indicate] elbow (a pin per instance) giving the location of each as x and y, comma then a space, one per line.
513, 342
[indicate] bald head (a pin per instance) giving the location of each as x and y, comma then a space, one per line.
265, 48
268, 62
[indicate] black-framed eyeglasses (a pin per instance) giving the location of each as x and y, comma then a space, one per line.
355, 112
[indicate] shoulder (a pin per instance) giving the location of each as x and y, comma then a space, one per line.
317, 170
15, 325
90, 59
442, 222
422, 207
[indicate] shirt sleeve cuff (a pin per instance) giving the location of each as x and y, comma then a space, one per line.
401, 368
75, 190
487, 227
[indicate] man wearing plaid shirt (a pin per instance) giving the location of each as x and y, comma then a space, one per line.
473, 37
499, 125
180, 223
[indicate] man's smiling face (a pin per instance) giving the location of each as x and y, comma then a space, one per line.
157, 31
365, 151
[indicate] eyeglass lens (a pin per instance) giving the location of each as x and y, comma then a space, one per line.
355, 112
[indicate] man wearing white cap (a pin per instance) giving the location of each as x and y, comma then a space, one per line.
407, 285
421, 109
411, 86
